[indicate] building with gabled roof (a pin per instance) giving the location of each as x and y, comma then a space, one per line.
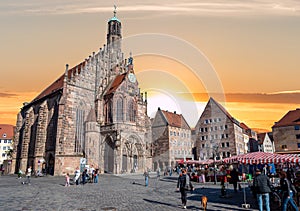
171, 136
93, 114
286, 133
218, 134
265, 142
6, 141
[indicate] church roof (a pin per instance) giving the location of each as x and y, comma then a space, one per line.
116, 83
59, 83
290, 119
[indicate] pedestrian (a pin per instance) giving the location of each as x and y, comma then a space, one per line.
183, 184
96, 175
158, 173
234, 175
170, 171
146, 175
20, 174
288, 190
83, 176
77, 176
262, 187
28, 175
92, 171
67, 180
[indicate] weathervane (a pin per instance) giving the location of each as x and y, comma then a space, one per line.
115, 10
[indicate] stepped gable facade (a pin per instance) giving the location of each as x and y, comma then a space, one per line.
92, 114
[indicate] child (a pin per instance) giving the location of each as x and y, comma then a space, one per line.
67, 180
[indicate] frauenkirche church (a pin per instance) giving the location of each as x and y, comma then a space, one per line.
93, 111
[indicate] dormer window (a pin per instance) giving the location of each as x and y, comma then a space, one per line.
4, 135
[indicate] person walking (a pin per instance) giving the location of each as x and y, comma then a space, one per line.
28, 175
183, 184
67, 180
287, 192
262, 186
146, 175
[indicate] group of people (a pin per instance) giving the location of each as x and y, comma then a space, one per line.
88, 175
263, 187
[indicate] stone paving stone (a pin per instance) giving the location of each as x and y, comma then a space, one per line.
113, 192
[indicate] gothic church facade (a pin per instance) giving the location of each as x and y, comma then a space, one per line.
93, 111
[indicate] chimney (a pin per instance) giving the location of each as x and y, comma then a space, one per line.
174, 112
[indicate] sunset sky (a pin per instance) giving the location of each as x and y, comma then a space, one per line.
246, 55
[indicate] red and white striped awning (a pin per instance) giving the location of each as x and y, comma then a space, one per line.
262, 158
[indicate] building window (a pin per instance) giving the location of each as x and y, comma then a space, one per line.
298, 136
131, 111
5, 141
284, 146
223, 144
9, 141
226, 127
206, 121
227, 144
119, 109
298, 145
205, 129
216, 127
170, 133
297, 127
228, 154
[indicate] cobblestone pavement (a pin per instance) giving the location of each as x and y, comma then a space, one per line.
123, 192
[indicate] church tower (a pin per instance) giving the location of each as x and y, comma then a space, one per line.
114, 35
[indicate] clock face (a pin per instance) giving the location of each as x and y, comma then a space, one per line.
131, 77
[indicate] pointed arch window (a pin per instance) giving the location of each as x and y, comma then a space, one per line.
131, 111
109, 110
120, 109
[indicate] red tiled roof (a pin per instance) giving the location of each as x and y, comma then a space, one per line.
175, 120
244, 126
58, 84
290, 119
117, 82
7, 131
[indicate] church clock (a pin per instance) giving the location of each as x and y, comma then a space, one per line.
131, 77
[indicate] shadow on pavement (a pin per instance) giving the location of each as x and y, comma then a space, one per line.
161, 203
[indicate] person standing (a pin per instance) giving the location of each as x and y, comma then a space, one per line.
183, 184
287, 192
234, 175
262, 187
83, 176
77, 176
92, 171
158, 173
96, 176
146, 175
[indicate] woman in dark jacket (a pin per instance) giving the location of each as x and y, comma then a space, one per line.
286, 188
184, 181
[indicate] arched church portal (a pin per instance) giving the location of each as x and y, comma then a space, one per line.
109, 155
